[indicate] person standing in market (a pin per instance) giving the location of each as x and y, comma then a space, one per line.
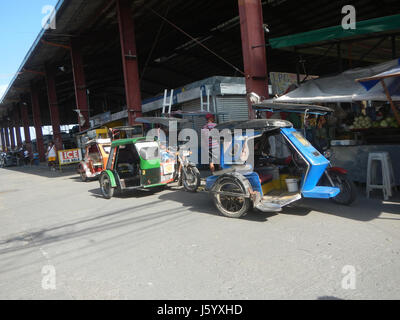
51, 156
213, 145
26, 156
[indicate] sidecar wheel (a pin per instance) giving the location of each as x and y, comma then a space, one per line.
231, 206
105, 185
83, 176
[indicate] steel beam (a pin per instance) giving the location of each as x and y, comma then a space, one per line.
37, 122
17, 124
253, 48
129, 60
80, 85
25, 123
53, 106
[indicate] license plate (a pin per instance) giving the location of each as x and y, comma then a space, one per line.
168, 168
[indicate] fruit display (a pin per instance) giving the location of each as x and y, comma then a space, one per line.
364, 122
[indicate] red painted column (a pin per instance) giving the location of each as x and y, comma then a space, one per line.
129, 60
80, 84
37, 122
17, 123
253, 47
25, 123
3, 140
53, 106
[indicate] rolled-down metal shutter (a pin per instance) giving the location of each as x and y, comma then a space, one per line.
194, 105
232, 108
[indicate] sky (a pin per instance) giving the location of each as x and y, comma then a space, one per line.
20, 23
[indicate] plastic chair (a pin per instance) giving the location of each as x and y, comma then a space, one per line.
388, 180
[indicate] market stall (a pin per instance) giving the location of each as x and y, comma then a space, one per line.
366, 117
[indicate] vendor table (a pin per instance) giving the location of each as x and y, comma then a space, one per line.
355, 159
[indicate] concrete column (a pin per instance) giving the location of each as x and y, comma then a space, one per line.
80, 85
37, 122
53, 106
12, 136
17, 123
3, 140
254, 50
7, 137
129, 60
25, 123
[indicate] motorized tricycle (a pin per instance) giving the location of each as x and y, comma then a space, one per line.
333, 176
281, 156
186, 172
9, 159
95, 158
145, 163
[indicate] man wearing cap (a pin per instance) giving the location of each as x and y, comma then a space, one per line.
213, 145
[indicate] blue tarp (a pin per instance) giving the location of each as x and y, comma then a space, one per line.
372, 83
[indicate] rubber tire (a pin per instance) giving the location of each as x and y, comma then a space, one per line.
196, 174
350, 185
246, 205
84, 177
107, 194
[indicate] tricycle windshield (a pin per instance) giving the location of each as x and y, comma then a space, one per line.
148, 150
107, 149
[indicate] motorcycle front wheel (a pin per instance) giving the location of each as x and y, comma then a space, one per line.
348, 192
191, 179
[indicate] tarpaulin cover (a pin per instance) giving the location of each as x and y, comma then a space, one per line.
369, 84
344, 88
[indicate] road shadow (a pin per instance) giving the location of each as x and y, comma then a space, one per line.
362, 210
126, 194
124, 219
43, 171
202, 202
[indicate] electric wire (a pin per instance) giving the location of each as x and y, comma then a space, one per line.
195, 40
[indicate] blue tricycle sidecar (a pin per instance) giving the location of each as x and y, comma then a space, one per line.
240, 185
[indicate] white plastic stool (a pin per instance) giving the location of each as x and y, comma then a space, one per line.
388, 180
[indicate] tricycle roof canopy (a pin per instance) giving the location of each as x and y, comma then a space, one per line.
160, 120
122, 142
270, 105
257, 124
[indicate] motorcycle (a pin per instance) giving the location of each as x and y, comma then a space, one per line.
337, 177
185, 172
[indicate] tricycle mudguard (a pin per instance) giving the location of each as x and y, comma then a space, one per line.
317, 164
337, 170
112, 178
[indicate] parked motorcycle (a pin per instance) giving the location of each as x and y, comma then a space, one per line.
337, 177
186, 173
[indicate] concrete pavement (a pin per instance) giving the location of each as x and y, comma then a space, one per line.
59, 239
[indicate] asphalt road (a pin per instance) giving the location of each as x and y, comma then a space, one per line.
59, 239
